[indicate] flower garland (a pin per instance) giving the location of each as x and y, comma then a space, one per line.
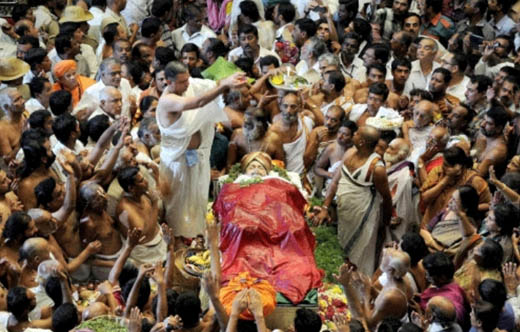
236, 170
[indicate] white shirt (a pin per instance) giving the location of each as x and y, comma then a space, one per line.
417, 79
181, 36
43, 17
7, 50
310, 74
482, 68
504, 26
300, 6
458, 90
95, 23
236, 53
91, 96
88, 53
119, 18
266, 33
81, 62
33, 104
358, 110
136, 11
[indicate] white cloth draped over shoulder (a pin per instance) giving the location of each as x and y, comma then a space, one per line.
359, 214
188, 198
400, 182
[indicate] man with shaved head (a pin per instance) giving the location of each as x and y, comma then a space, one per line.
359, 206
400, 174
440, 312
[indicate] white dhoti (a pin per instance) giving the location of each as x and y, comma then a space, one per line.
359, 215
102, 272
400, 182
188, 171
150, 253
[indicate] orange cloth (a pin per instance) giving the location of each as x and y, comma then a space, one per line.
62, 67
77, 92
244, 280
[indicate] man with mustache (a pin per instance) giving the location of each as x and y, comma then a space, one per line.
254, 136
293, 129
249, 47
323, 136
491, 147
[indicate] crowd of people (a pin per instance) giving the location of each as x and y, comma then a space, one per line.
123, 117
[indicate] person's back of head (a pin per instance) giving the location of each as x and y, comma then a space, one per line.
60, 102
143, 292
489, 255
493, 291
64, 126
65, 318
486, 316
53, 290
35, 56
63, 43
18, 302
188, 308
171, 299
439, 267
410, 327
307, 320
389, 325
249, 9
37, 119
43, 191
128, 273
307, 25
506, 218
413, 244
161, 7
164, 55
356, 326
150, 26
16, 226
97, 126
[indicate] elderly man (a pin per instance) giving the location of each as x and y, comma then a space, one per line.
359, 206
110, 104
12, 123
254, 136
293, 129
309, 66
432, 157
110, 70
400, 174
423, 67
139, 209
491, 146
416, 131
186, 139
392, 300
68, 80
441, 314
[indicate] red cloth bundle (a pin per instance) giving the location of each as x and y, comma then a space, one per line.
263, 232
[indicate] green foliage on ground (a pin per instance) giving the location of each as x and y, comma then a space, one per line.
329, 255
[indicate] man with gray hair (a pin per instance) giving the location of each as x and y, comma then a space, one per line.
400, 173
309, 66
110, 104
186, 139
110, 75
423, 67
12, 123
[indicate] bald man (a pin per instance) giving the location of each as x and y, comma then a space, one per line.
400, 174
392, 300
441, 314
416, 131
359, 207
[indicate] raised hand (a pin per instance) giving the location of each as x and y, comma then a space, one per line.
341, 322
134, 321
510, 278
240, 302
158, 273
134, 236
94, 247
209, 283
168, 236
255, 302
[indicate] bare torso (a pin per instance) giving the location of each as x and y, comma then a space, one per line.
101, 227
